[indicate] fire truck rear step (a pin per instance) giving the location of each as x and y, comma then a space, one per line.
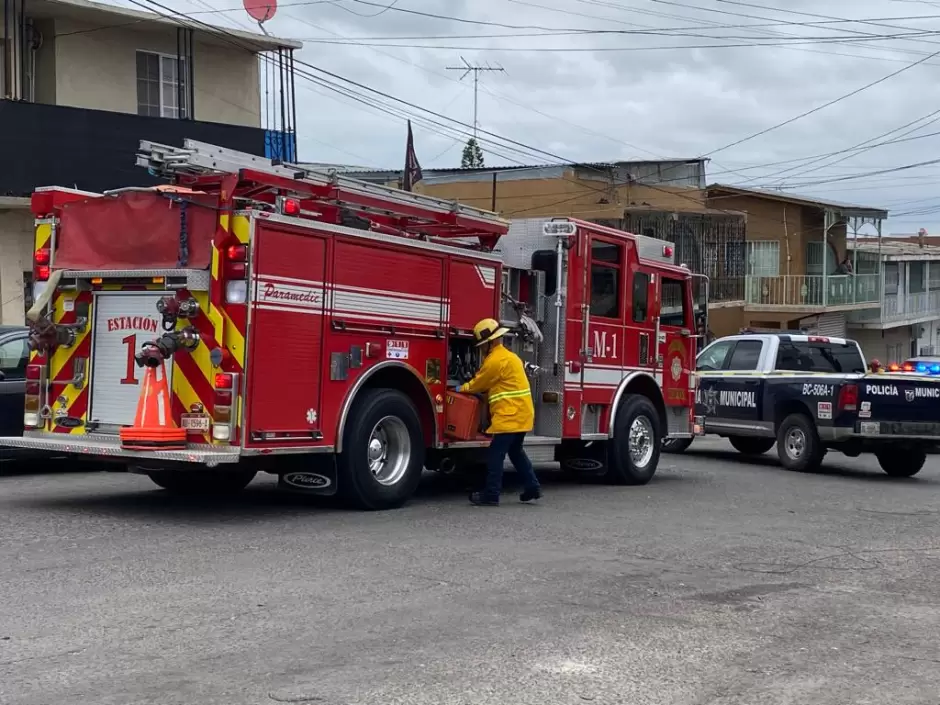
110, 446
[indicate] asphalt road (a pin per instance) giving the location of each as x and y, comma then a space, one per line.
721, 582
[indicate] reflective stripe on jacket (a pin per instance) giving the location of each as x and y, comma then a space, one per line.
502, 377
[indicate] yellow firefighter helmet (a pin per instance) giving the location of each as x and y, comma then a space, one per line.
488, 330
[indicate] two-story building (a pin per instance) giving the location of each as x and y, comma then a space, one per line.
81, 83
908, 321
802, 268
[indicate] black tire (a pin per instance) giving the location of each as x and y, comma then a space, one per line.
401, 434
798, 444
902, 462
202, 482
622, 469
676, 445
749, 445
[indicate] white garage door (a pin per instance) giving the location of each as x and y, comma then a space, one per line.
828, 324
123, 322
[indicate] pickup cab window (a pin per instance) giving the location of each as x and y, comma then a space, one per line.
713, 357
842, 358
746, 355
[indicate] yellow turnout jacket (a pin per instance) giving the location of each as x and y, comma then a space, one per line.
502, 377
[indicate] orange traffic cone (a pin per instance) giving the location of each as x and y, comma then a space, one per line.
153, 426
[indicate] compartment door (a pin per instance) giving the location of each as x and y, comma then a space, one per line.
285, 358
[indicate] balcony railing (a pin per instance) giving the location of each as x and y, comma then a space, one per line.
912, 305
902, 309
800, 291
95, 150
725, 289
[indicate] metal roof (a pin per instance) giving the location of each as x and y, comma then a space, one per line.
525, 167
895, 250
849, 208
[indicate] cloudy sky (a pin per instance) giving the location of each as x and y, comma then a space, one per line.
617, 79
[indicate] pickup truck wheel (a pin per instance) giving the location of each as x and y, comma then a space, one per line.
798, 445
383, 451
202, 482
748, 445
676, 445
634, 449
902, 462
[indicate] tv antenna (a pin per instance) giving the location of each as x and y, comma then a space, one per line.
467, 69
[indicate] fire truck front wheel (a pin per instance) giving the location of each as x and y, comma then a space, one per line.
634, 449
383, 451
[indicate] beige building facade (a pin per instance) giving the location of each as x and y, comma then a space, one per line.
68, 67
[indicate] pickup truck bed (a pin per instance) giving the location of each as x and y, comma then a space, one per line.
807, 412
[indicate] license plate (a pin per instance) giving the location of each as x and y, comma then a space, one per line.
195, 422
871, 428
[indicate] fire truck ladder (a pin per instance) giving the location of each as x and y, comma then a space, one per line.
196, 162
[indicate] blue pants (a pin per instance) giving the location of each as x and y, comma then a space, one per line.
510, 444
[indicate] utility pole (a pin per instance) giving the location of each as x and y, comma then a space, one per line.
467, 69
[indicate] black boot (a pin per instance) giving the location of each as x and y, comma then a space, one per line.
481, 500
530, 495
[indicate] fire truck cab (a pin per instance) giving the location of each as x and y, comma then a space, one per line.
312, 326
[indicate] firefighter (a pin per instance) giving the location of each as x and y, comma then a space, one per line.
502, 377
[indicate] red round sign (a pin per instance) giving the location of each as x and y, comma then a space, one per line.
260, 10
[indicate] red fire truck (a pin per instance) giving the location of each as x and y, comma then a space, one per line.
312, 325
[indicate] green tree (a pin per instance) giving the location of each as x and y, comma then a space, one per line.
472, 155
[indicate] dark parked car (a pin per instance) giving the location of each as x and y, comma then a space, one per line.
14, 355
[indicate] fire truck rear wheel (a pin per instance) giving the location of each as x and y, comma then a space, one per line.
383, 451
202, 482
634, 449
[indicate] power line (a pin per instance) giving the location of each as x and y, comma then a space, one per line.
824, 105
633, 49
865, 146
509, 143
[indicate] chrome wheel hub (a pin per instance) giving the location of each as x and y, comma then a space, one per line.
389, 451
795, 444
640, 442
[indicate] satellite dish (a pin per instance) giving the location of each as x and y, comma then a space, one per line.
260, 10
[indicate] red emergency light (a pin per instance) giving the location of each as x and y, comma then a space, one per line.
667, 251
290, 206
237, 253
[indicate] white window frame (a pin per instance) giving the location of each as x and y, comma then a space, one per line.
167, 111
892, 276
933, 275
815, 258
767, 250
915, 285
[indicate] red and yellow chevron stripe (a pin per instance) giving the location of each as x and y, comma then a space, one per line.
193, 372
229, 323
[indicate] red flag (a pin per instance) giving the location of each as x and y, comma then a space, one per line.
412, 174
